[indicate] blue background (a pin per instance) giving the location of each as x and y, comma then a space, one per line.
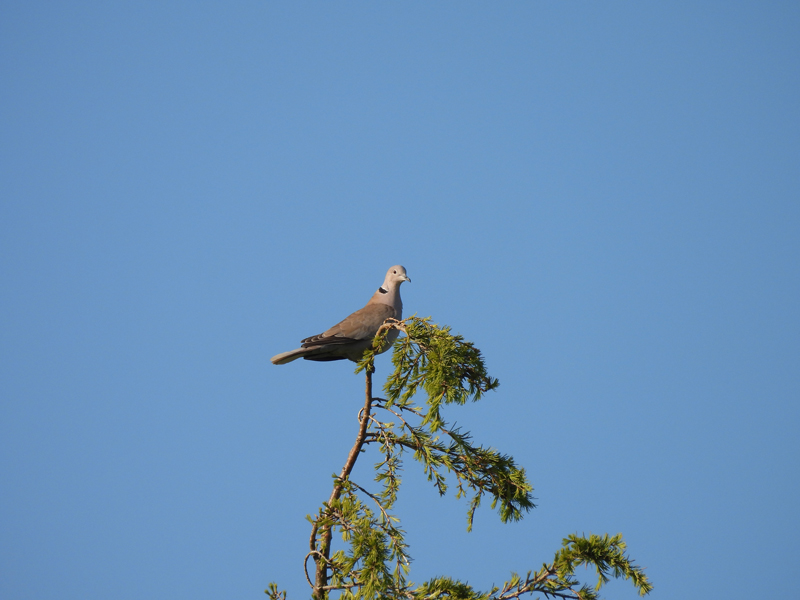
602, 196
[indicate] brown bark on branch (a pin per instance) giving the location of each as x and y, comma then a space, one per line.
323, 553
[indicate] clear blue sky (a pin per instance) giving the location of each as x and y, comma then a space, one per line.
604, 197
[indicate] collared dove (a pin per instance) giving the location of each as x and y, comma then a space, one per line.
352, 336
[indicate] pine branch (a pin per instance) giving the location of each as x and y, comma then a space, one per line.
447, 370
324, 549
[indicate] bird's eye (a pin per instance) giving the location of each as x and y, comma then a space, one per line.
395, 272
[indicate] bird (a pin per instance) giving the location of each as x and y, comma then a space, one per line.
349, 338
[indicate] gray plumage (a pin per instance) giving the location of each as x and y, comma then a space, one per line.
349, 338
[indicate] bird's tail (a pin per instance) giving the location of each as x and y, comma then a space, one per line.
287, 357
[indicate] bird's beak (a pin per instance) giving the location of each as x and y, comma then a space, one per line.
408, 279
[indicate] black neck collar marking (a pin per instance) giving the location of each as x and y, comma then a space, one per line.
383, 291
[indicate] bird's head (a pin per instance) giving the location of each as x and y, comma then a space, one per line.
395, 276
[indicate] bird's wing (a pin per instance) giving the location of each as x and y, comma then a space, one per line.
361, 325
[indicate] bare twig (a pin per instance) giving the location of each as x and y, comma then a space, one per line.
305, 566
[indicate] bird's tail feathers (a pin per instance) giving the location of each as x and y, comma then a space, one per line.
319, 353
287, 357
